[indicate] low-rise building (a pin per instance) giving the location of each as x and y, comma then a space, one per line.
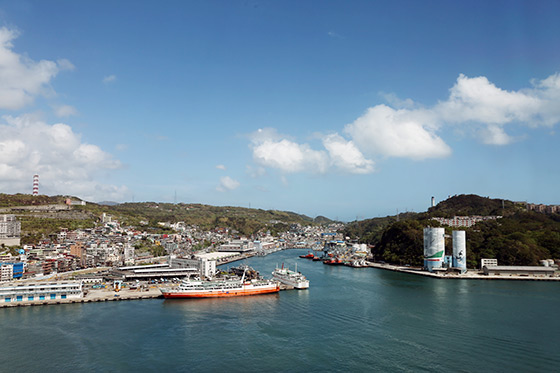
519, 271
41, 291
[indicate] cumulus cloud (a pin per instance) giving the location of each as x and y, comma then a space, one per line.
478, 100
271, 150
494, 135
21, 78
346, 156
291, 157
408, 130
221, 167
66, 165
65, 111
109, 79
227, 184
397, 133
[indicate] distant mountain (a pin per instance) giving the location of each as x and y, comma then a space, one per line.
322, 220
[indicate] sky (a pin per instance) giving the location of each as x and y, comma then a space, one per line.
346, 109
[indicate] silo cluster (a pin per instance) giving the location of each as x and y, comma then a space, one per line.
434, 247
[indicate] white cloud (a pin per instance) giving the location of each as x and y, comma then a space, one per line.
494, 135
291, 157
396, 102
345, 155
64, 163
65, 111
109, 79
221, 167
227, 183
397, 133
21, 78
271, 150
478, 100
408, 130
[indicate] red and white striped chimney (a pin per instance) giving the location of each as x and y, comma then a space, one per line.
35, 185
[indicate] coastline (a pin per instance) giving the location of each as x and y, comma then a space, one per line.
470, 275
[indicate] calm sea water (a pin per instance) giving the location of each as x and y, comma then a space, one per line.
349, 320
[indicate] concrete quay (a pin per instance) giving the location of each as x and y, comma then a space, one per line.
101, 295
469, 275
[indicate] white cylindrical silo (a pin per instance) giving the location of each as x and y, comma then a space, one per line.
460, 249
434, 247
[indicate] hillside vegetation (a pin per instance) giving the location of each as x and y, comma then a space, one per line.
146, 215
519, 238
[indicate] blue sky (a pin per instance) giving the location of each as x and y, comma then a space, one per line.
344, 109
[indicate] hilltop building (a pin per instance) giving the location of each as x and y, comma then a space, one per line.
464, 221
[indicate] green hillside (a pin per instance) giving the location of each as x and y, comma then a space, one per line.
519, 238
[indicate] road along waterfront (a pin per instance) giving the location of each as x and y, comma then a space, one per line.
350, 319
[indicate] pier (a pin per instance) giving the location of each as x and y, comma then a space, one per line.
469, 275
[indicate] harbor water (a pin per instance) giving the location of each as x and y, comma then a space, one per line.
350, 319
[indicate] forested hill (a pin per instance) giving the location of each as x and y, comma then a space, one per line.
519, 238
471, 204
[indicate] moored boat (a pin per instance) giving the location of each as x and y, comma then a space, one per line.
309, 255
291, 278
221, 288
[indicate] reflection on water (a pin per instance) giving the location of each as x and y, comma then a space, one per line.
348, 320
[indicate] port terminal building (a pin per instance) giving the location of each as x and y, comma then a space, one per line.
41, 291
176, 268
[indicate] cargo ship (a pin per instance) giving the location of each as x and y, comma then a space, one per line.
291, 278
221, 288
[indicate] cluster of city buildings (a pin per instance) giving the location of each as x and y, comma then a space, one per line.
550, 209
111, 245
465, 221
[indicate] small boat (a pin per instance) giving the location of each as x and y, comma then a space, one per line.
309, 255
317, 258
333, 261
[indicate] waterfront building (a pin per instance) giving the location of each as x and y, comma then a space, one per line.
41, 291
16, 269
6, 272
488, 263
519, 271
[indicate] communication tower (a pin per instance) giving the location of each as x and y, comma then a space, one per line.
35, 185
